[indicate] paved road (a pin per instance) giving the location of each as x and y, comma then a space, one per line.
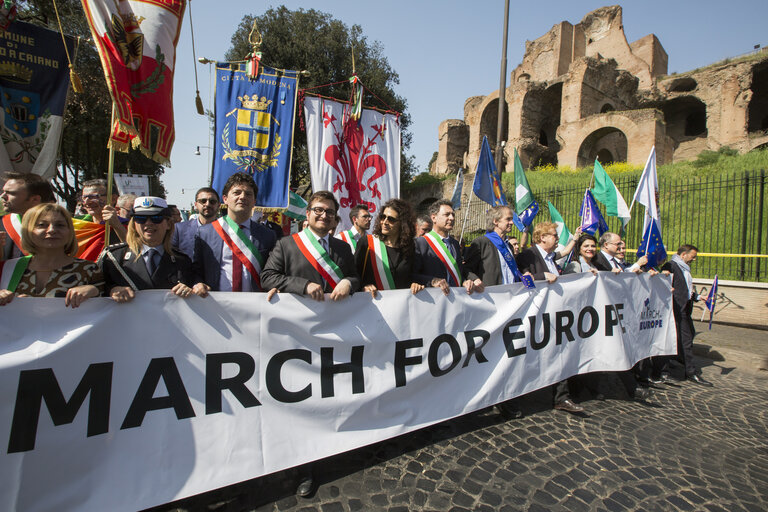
695, 448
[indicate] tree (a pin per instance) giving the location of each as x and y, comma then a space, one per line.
314, 41
84, 154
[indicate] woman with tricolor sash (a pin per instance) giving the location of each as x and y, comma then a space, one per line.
50, 269
384, 259
147, 261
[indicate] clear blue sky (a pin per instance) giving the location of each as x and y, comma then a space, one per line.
446, 51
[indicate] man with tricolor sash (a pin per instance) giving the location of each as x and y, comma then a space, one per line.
312, 262
438, 255
360, 218
21, 192
230, 252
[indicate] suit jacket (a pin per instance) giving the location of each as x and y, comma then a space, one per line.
184, 236
483, 260
9, 248
601, 262
530, 260
289, 271
682, 302
427, 265
206, 260
400, 264
173, 268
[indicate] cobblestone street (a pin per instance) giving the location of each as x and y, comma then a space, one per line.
692, 448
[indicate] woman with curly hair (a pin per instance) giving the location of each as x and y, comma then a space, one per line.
384, 258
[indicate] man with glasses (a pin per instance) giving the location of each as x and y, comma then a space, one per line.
360, 218
230, 252
94, 196
608, 257
312, 262
207, 207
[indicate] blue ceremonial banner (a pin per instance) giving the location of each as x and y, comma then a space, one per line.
34, 79
591, 218
254, 129
652, 245
487, 184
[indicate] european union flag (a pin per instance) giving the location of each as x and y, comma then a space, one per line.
591, 218
254, 129
487, 184
525, 219
652, 245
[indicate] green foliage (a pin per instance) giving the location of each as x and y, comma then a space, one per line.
424, 179
709, 158
84, 154
314, 41
432, 161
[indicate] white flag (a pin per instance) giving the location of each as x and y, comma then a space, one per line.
359, 161
648, 189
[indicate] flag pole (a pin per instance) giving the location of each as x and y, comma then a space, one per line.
502, 90
110, 174
466, 213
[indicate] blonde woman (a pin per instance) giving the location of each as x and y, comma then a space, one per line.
50, 269
147, 261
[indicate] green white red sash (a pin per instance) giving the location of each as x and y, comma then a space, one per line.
349, 237
12, 225
318, 257
242, 248
382, 273
11, 272
444, 255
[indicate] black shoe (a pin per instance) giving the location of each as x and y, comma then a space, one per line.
569, 406
600, 396
305, 488
698, 380
508, 411
661, 379
642, 394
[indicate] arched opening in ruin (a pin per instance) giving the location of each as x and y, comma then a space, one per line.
542, 107
685, 84
607, 144
686, 118
758, 105
607, 108
423, 207
524, 77
543, 139
489, 123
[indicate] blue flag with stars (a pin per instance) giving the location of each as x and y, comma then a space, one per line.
651, 245
591, 218
487, 184
254, 129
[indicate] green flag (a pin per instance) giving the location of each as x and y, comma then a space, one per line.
523, 194
563, 234
297, 207
607, 193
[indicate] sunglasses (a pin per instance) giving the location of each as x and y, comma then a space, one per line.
205, 200
389, 218
142, 219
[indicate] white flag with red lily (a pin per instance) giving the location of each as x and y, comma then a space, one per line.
359, 161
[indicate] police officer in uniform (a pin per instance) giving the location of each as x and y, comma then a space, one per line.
146, 261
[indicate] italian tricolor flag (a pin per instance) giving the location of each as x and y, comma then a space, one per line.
606, 192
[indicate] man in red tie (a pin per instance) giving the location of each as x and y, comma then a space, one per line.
230, 252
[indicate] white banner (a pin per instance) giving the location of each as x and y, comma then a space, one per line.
358, 161
137, 184
127, 406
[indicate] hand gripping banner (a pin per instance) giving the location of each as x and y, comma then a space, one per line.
127, 406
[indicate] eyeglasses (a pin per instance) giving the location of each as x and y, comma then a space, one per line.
319, 211
205, 200
390, 219
142, 219
93, 196
366, 216
548, 234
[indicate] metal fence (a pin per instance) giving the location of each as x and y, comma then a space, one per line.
725, 217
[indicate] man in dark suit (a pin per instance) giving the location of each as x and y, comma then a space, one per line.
21, 192
207, 206
682, 307
489, 257
438, 260
230, 252
313, 262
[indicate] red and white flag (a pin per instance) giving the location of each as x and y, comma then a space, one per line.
137, 45
359, 161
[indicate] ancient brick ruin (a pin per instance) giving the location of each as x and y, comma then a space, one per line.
583, 92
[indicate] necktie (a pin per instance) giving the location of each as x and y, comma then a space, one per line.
153, 259
324, 244
615, 263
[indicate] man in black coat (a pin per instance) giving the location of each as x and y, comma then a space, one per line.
487, 256
438, 259
312, 262
682, 307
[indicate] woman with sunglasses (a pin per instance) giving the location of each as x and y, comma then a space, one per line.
384, 259
51, 269
147, 261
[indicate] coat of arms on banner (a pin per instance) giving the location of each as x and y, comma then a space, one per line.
34, 79
359, 161
254, 129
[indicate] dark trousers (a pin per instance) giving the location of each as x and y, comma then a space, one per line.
685, 333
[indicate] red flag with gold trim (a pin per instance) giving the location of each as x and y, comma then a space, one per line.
137, 40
